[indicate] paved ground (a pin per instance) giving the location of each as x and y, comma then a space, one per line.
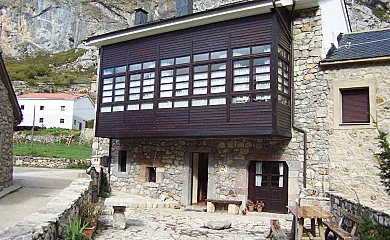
178, 224
39, 186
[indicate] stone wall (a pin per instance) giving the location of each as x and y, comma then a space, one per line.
26, 161
85, 137
46, 223
311, 93
6, 132
353, 165
228, 165
339, 201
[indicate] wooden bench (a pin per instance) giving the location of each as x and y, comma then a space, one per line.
338, 229
231, 206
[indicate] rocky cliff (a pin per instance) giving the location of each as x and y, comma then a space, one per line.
28, 26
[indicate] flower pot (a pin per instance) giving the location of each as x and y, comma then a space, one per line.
251, 208
88, 232
259, 209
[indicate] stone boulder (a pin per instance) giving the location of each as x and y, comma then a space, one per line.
217, 225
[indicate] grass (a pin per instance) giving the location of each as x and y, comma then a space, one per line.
43, 68
72, 151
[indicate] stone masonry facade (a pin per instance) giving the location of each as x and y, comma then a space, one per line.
171, 157
6, 133
353, 165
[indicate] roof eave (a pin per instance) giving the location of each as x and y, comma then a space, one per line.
194, 20
361, 60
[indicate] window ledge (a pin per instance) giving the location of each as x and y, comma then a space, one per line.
340, 126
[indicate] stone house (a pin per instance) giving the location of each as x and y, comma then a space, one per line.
10, 117
227, 103
358, 75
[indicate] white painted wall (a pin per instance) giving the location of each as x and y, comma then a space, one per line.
52, 112
334, 22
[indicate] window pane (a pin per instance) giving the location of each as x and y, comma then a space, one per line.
179, 104
199, 102
119, 98
203, 68
106, 94
200, 91
218, 74
135, 83
165, 94
218, 89
167, 80
201, 57
200, 76
106, 99
108, 71
262, 98
241, 87
107, 87
117, 108
119, 92
241, 71
243, 63
218, 81
262, 77
107, 80
135, 67
217, 55
147, 65
105, 109
261, 61
181, 71
183, 92
166, 62
134, 90
148, 88
133, 107
119, 85
148, 82
146, 106
243, 79
181, 60
261, 86
201, 83
182, 85
240, 99
166, 73
134, 97
217, 101
165, 87
182, 78
241, 51
262, 69
147, 95
167, 104
149, 75
219, 66
135, 77
120, 69
261, 49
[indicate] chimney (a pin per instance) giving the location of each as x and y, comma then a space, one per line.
141, 16
183, 7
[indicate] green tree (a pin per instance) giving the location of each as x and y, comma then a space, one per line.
384, 158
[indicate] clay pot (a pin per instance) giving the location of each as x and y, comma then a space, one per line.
88, 232
259, 209
251, 208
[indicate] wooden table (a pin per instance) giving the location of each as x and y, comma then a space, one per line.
313, 213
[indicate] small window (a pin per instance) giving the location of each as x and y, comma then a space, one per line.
42, 108
122, 160
62, 108
40, 120
74, 122
151, 174
355, 105
62, 120
22, 107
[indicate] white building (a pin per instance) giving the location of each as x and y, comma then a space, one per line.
61, 110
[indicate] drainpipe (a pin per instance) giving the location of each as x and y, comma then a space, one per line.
292, 89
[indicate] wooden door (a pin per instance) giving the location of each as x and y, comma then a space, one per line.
268, 182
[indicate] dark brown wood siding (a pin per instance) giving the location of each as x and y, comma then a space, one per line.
249, 119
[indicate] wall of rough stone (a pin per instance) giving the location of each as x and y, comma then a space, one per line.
6, 132
340, 202
171, 157
353, 166
26, 161
311, 93
47, 222
86, 137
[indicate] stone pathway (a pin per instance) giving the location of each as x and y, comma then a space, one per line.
179, 224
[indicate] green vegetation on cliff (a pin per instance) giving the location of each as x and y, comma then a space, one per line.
47, 68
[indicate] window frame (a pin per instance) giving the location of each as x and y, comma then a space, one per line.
337, 106
62, 120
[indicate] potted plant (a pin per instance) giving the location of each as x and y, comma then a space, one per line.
250, 205
90, 215
259, 206
73, 230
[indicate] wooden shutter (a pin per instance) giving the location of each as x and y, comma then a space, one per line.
355, 106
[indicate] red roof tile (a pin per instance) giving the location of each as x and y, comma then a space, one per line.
51, 95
